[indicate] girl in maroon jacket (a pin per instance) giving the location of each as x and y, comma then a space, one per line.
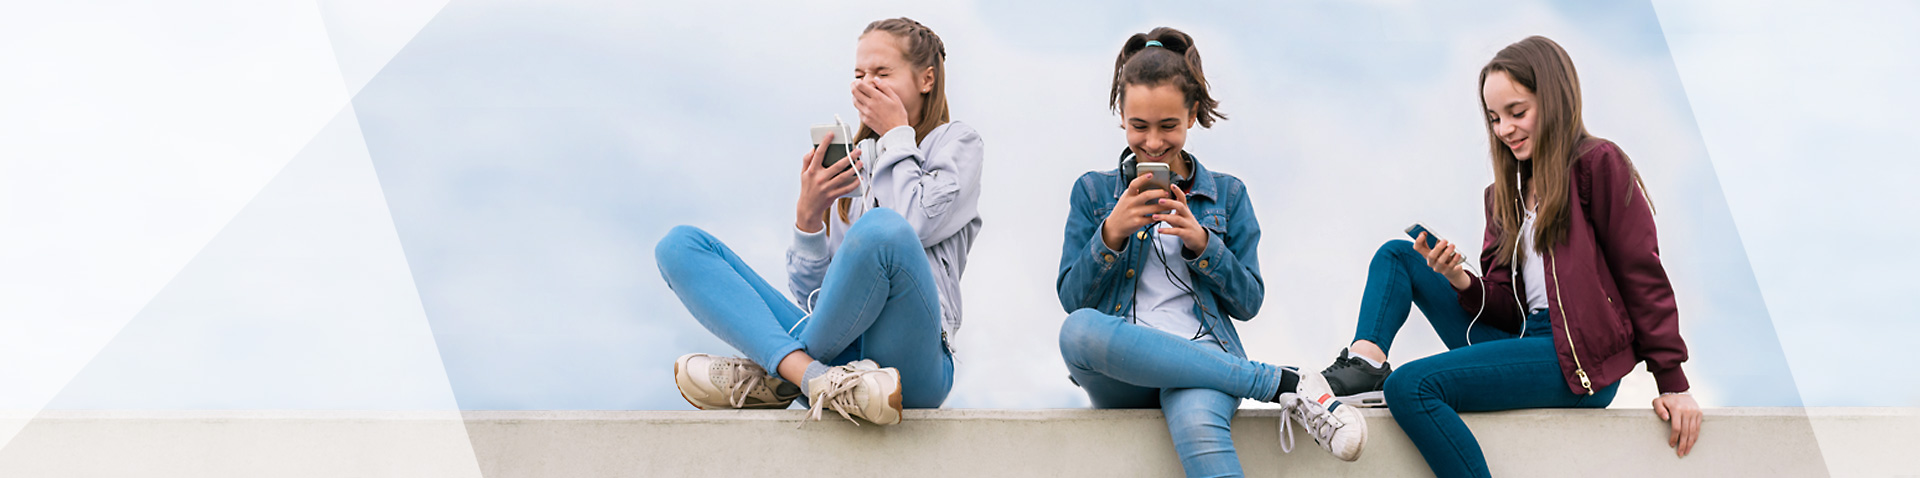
1573, 296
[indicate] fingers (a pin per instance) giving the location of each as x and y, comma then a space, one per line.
1433, 255
1178, 206
1179, 195
1694, 418
843, 189
1178, 217
1673, 438
864, 90
1660, 408
819, 151
1139, 182
1420, 244
888, 94
1148, 200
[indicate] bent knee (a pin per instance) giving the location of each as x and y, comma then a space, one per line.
1394, 249
1081, 332
679, 240
1411, 383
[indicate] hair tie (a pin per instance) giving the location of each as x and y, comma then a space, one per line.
1154, 43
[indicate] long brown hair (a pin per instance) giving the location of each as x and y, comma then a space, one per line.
1542, 67
923, 50
1176, 62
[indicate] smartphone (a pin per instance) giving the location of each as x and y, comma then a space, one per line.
1413, 231
1162, 176
842, 143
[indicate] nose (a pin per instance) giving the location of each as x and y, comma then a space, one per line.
1155, 143
1504, 130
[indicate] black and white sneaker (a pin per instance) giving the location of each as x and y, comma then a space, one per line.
1356, 382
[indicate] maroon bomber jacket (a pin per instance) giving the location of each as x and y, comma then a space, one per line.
1612, 306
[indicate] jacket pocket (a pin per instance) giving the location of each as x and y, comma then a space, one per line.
938, 192
1214, 221
1618, 326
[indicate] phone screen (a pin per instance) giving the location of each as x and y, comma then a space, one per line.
835, 153
1433, 240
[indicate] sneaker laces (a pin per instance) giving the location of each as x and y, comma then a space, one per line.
838, 394
1342, 364
742, 380
1286, 428
1318, 425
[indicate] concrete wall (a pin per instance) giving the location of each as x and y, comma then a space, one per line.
1050, 443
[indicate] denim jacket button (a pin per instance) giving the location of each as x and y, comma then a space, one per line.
1129, 273
1109, 257
1116, 307
1142, 235
1203, 263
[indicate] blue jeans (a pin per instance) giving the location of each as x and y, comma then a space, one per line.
1498, 371
878, 302
1196, 385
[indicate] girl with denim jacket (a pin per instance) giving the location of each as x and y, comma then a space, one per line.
1151, 275
1573, 295
880, 241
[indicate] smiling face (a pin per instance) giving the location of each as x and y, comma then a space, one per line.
881, 59
1156, 119
1513, 111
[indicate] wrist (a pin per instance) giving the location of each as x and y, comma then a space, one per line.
1113, 240
1460, 280
1200, 246
809, 220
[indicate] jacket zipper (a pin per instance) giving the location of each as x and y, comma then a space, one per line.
1562, 306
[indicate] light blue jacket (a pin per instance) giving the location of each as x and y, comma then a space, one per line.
934, 184
1226, 275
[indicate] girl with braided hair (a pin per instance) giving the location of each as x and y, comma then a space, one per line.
880, 241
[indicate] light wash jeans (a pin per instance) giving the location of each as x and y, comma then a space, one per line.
1195, 384
878, 302
1499, 371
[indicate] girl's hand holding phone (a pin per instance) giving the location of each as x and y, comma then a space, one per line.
1136, 209
820, 185
1181, 223
1445, 261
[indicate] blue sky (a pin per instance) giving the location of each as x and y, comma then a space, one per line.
452, 205
532, 156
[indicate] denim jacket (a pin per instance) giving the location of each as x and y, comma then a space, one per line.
1226, 275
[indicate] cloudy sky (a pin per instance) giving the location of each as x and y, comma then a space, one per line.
452, 205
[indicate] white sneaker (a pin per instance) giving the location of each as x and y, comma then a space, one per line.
721, 383
859, 389
1338, 428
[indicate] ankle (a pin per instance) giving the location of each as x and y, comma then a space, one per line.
814, 369
1367, 349
793, 367
1289, 383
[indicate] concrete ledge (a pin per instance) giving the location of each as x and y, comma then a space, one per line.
1052, 443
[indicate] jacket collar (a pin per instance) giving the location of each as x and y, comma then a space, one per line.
1202, 180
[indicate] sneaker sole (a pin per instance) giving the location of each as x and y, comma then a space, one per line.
680, 383
1373, 399
893, 400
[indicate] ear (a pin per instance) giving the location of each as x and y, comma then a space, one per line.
926, 81
1193, 116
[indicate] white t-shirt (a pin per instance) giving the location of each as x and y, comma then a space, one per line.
1534, 270
1163, 302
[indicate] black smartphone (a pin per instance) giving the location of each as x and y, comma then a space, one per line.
837, 150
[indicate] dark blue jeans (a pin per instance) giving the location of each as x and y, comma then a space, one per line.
1498, 371
878, 302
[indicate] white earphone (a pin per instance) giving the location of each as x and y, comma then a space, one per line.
1512, 263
